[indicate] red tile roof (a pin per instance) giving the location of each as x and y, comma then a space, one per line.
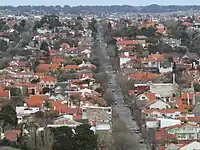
143, 76
4, 93
126, 42
12, 135
37, 100
63, 108
47, 67
48, 79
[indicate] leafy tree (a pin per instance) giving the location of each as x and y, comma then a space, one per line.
79, 18
149, 32
81, 139
197, 87
44, 46
3, 45
63, 137
51, 20
85, 138
8, 116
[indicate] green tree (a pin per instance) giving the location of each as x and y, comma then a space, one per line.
44, 46
63, 137
197, 87
3, 45
8, 117
82, 138
85, 138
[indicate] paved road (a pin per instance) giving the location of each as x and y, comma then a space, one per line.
122, 111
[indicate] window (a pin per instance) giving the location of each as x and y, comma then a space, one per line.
47, 85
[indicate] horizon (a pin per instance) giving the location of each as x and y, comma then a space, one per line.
102, 5
99, 3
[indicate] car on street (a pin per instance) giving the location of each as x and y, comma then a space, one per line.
136, 131
113, 90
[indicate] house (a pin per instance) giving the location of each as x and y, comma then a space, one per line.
25, 111
170, 113
64, 45
165, 67
71, 51
163, 90
60, 91
143, 76
71, 67
181, 133
172, 42
191, 146
22, 75
64, 120
57, 60
11, 135
5, 96
159, 104
44, 68
121, 43
36, 100
123, 60
98, 116
47, 82
87, 65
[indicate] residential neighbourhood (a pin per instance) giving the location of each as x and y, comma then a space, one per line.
99, 81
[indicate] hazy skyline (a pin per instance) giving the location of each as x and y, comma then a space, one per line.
100, 2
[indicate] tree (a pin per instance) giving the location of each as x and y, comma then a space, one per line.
63, 137
79, 18
85, 138
51, 20
197, 87
3, 45
35, 139
149, 32
82, 138
44, 46
8, 117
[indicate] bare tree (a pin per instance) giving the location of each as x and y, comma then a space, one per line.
105, 141
38, 139
108, 97
122, 138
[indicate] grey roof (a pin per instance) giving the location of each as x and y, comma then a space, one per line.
165, 64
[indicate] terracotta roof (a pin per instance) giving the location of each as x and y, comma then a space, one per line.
64, 45
12, 135
57, 59
4, 93
162, 134
126, 42
48, 79
186, 95
72, 67
154, 58
143, 76
63, 108
47, 67
150, 96
36, 100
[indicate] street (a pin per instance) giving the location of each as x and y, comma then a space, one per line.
123, 112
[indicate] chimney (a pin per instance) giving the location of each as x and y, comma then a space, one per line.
192, 85
188, 99
174, 78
